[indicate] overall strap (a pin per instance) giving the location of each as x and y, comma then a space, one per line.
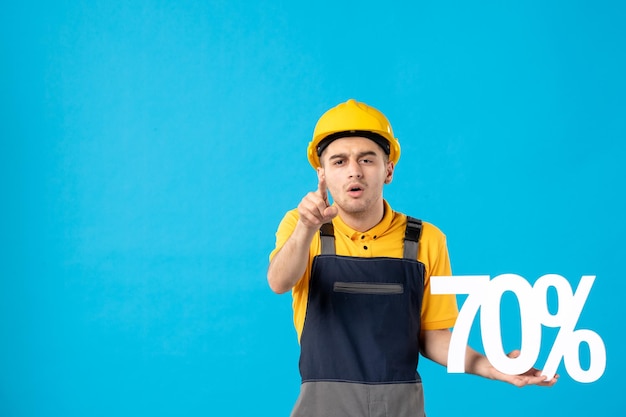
412, 237
327, 237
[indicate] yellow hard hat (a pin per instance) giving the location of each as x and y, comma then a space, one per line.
352, 118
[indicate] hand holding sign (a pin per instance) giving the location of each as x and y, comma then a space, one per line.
486, 294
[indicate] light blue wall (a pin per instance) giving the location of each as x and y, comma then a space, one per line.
151, 148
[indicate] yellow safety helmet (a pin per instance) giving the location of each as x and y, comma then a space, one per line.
352, 118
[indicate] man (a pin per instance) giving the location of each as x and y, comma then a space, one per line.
360, 279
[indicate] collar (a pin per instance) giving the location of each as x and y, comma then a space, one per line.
374, 232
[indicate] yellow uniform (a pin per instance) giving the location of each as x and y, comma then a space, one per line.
383, 240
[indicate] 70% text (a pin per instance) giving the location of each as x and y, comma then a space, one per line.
486, 294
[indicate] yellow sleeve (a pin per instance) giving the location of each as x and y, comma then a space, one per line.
300, 291
438, 311
285, 229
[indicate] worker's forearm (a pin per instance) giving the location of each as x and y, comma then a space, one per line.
435, 345
477, 364
288, 265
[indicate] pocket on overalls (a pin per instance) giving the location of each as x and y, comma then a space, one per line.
368, 288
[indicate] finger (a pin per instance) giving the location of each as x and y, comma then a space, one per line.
542, 381
514, 354
322, 189
312, 208
330, 213
547, 382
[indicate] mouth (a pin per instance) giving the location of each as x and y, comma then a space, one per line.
355, 190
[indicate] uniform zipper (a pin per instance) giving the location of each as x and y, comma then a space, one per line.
368, 288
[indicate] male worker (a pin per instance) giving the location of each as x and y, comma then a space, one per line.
360, 279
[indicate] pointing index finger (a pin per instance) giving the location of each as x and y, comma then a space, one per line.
321, 189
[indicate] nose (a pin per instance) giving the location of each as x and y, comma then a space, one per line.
355, 170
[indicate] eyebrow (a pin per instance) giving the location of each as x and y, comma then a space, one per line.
345, 155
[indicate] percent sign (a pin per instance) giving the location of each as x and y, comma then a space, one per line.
533, 303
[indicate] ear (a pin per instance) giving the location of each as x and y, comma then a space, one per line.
389, 176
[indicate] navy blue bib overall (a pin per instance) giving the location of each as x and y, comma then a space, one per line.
360, 341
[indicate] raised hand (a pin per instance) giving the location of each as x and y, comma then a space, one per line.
314, 209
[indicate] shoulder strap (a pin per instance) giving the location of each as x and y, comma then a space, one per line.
327, 237
412, 237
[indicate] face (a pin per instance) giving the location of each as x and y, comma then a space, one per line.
355, 170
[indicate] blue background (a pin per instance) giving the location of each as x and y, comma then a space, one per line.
150, 148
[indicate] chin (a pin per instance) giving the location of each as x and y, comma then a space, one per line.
354, 209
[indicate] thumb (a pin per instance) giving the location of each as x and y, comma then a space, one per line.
330, 212
514, 354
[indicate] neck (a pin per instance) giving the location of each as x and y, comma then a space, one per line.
363, 221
